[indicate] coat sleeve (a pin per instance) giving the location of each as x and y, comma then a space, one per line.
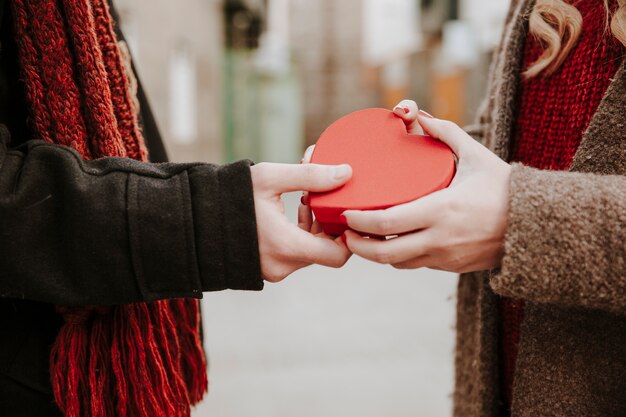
566, 239
114, 230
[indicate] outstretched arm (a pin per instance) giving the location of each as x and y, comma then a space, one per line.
115, 230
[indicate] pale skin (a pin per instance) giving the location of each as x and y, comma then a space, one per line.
458, 229
283, 246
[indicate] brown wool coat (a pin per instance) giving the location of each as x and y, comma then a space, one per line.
565, 254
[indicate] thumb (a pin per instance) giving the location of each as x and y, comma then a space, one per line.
447, 132
283, 178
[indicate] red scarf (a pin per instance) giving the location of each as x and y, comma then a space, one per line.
136, 360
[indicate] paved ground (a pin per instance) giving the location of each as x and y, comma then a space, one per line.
366, 341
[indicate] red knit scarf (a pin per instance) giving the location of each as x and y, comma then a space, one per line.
136, 360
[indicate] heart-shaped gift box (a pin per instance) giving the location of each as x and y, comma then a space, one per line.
389, 165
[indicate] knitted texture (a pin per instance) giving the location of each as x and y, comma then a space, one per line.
554, 112
137, 360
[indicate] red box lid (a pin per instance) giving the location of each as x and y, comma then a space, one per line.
389, 166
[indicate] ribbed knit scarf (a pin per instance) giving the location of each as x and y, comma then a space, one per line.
136, 360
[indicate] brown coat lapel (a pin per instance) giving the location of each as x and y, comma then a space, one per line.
603, 147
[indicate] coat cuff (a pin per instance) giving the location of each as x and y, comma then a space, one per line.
564, 239
225, 227
161, 234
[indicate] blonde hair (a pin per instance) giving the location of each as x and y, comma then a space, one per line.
557, 25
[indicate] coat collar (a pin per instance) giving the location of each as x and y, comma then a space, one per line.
603, 146
507, 73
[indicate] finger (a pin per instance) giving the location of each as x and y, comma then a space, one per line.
424, 261
282, 178
308, 154
282, 271
447, 132
403, 218
320, 250
391, 251
316, 227
408, 111
305, 217
304, 200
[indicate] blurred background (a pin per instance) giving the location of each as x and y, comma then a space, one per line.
261, 79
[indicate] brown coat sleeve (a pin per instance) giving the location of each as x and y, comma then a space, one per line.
566, 239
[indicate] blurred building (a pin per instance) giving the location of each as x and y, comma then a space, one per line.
177, 47
353, 54
326, 39
260, 79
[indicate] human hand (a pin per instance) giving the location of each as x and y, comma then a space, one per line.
306, 220
283, 246
407, 110
460, 228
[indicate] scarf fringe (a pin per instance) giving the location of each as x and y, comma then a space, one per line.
193, 361
136, 363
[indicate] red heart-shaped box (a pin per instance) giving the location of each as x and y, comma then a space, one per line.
389, 166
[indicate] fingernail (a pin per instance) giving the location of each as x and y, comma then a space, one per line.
308, 153
341, 172
343, 220
344, 238
404, 110
302, 201
425, 114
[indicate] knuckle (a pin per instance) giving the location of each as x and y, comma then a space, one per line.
272, 275
400, 266
448, 127
455, 262
437, 250
310, 172
445, 253
338, 263
437, 242
447, 124
385, 224
382, 255
447, 206
281, 270
430, 246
